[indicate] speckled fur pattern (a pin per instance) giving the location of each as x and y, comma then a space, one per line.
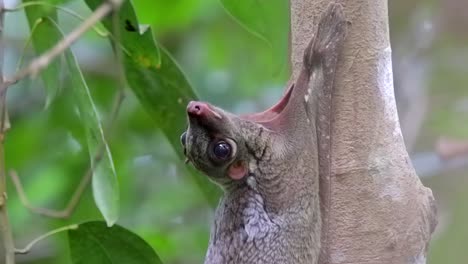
272, 215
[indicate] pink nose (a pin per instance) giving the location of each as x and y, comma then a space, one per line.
198, 108
201, 110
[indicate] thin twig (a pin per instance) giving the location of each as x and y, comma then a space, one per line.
449, 148
7, 246
44, 60
60, 8
33, 69
116, 37
85, 179
28, 247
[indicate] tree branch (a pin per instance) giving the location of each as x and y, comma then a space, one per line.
449, 148
42, 61
85, 179
7, 255
6, 239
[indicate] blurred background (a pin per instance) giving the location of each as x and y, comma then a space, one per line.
237, 70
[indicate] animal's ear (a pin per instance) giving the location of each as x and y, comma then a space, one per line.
272, 118
238, 170
296, 109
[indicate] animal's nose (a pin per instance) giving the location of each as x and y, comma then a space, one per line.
201, 110
197, 108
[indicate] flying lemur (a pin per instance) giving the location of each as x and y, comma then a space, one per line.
267, 163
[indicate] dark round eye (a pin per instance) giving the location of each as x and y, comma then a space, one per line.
183, 138
222, 150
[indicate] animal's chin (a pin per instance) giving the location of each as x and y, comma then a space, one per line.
220, 179
207, 127
222, 182
214, 177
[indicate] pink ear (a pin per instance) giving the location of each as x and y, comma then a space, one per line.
269, 115
237, 170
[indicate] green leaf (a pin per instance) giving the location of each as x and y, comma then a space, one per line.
141, 47
105, 184
44, 37
168, 15
95, 243
268, 20
58, 2
163, 91
158, 83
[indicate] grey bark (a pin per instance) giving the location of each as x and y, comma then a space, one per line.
375, 208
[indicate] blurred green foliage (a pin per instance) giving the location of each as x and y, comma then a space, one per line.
224, 63
40, 28
159, 201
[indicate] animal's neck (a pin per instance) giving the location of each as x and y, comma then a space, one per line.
282, 176
245, 232
244, 209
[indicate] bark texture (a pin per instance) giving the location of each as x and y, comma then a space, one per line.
375, 209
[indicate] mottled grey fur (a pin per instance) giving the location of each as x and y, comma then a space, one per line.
272, 215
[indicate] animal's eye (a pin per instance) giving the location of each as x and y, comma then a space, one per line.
222, 150
183, 138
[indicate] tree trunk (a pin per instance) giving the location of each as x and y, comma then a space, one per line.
374, 207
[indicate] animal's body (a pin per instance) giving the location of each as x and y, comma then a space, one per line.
267, 164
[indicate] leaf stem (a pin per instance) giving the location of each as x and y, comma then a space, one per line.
26, 45
28, 247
